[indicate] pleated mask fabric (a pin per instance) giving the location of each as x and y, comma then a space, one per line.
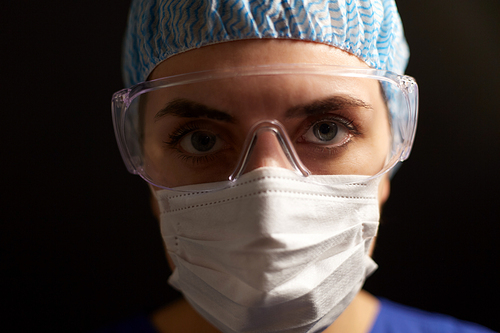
273, 252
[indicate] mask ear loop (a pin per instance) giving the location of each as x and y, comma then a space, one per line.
285, 143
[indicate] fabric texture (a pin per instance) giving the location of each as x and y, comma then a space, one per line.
159, 29
392, 318
136, 324
264, 265
397, 318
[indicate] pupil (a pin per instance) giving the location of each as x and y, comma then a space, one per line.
325, 132
203, 141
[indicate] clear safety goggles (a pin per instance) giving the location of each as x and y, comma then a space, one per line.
214, 126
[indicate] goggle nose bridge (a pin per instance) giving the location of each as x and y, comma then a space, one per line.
285, 144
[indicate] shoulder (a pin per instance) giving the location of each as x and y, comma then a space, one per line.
140, 323
393, 318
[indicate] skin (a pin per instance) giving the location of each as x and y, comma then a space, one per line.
180, 316
295, 101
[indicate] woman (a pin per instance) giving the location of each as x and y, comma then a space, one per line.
267, 133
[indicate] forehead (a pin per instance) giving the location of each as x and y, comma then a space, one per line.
252, 53
268, 95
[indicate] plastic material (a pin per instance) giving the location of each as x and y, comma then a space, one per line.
326, 120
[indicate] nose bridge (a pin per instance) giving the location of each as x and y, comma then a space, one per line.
268, 145
267, 151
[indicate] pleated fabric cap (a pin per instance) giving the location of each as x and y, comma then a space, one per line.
159, 29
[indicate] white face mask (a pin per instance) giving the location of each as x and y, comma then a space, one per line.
274, 252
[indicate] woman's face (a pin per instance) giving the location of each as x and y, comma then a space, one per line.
196, 131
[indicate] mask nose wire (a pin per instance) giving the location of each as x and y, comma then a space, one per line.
286, 145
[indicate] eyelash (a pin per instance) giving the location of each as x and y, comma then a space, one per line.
196, 159
179, 133
176, 136
349, 124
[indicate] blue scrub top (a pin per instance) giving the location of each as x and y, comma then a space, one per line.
392, 318
397, 318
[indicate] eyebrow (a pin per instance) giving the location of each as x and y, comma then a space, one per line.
185, 108
189, 109
329, 104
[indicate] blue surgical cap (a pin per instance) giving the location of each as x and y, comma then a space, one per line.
159, 29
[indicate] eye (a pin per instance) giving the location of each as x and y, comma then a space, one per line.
327, 132
201, 142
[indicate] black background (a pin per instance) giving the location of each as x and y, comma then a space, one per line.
79, 247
